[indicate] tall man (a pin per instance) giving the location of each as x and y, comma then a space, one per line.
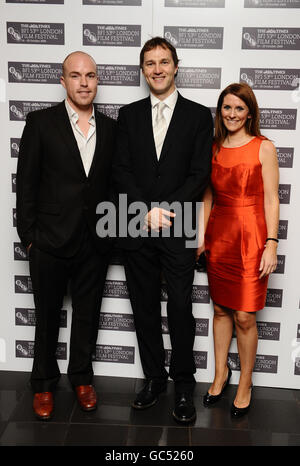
64, 170
163, 153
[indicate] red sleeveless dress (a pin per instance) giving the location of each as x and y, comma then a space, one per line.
236, 230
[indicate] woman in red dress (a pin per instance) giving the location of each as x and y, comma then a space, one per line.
241, 215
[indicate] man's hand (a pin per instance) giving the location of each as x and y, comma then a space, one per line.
200, 250
158, 219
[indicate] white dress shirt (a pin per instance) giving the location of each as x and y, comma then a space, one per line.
86, 145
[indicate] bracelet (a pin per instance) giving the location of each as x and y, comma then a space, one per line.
272, 239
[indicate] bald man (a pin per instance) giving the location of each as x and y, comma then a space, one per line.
63, 173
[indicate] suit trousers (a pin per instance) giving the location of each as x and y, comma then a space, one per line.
84, 274
144, 270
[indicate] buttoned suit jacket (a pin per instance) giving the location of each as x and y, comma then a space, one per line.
55, 198
183, 169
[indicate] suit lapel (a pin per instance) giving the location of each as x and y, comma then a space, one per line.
100, 141
147, 130
66, 131
175, 126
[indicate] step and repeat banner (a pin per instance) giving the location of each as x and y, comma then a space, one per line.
218, 42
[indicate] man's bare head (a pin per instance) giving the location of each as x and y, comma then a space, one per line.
80, 80
75, 55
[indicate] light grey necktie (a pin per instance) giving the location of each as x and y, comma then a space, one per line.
159, 128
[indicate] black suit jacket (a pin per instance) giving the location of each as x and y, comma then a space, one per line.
55, 198
183, 169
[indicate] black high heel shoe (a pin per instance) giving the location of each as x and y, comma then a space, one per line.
209, 399
240, 412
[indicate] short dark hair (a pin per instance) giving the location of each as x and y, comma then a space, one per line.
158, 42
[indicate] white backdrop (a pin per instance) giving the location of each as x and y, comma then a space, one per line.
218, 42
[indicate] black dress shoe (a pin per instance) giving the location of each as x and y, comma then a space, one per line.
239, 412
184, 411
209, 399
148, 396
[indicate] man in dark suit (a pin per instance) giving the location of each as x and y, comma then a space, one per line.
64, 171
163, 153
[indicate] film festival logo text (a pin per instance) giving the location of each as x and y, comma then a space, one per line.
14, 147
129, 220
272, 38
284, 193
114, 353
272, 3
36, 33
199, 78
271, 78
278, 118
283, 229
117, 289
19, 109
274, 297
264, 363
268, 330
116, 322
42, 2
20, 252
23, 284
112, 35
190, 37
113, 2
13, 182
285, 156
280, 264
295, 355
32, 72
25, 349
118, 75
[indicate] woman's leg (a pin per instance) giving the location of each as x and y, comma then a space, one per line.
247, 339
222, 329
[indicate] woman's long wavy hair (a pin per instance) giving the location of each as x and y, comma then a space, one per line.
245, 93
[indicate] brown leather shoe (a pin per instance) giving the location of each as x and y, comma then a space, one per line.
43, 405
87, 397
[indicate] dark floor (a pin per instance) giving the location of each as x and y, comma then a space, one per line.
273, 420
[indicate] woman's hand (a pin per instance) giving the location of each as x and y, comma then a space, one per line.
200, 249
270, 174
268, 261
